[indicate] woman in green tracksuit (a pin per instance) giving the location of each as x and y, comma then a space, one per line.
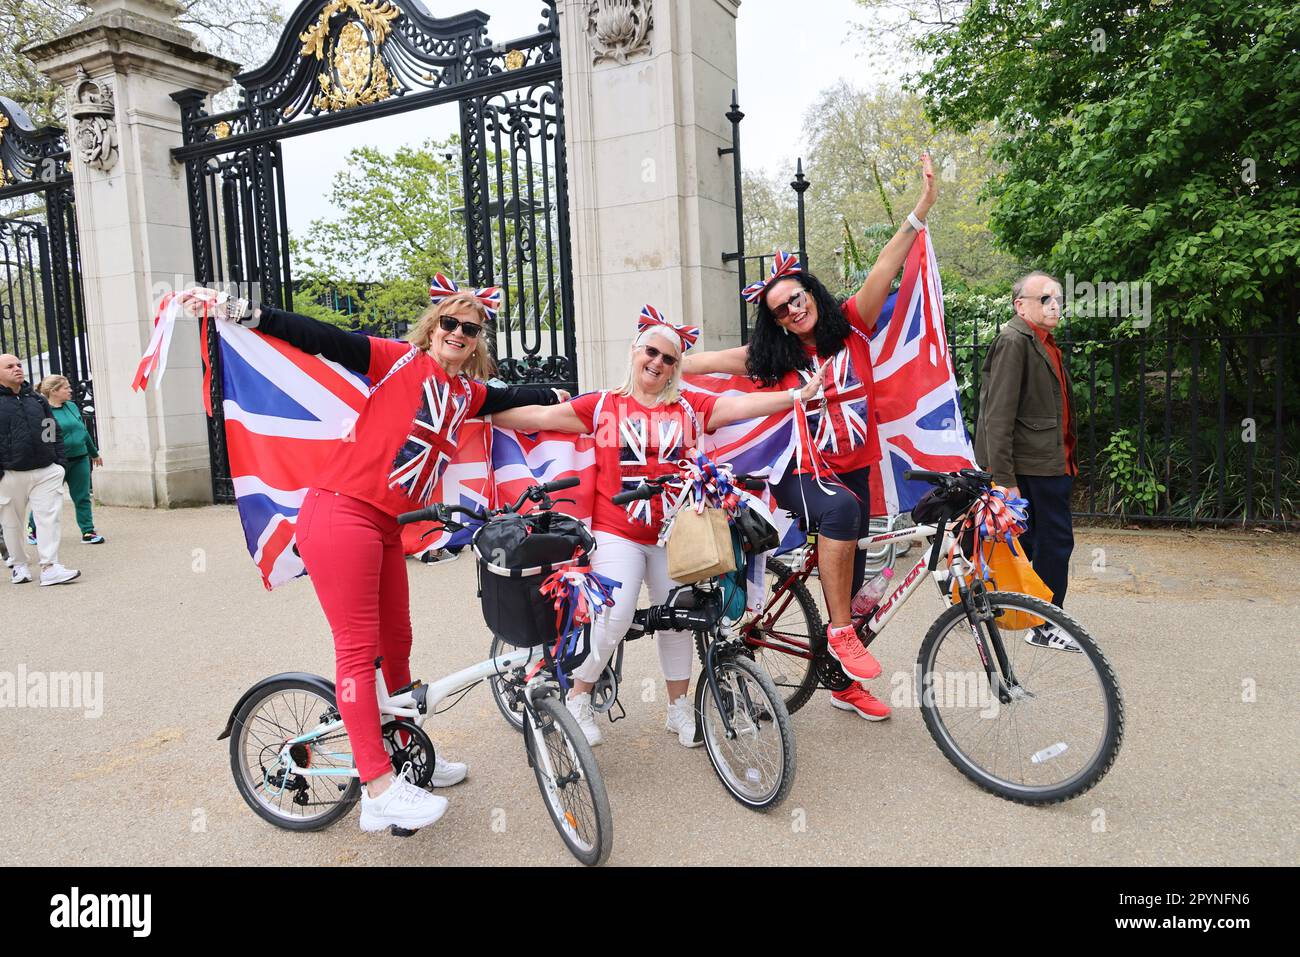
79, 448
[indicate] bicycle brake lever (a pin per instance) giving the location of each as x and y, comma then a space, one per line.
560, 501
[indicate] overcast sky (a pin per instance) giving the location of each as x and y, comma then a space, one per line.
808, 54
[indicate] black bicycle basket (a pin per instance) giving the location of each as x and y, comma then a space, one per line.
516, 553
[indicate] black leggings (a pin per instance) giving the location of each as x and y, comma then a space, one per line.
839, 516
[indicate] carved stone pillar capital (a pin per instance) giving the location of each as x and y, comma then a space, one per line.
619, 29
94, 134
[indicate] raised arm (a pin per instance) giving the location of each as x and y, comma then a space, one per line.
734, 408
875, 289
349, 349
730, 361
537, 418
501, 398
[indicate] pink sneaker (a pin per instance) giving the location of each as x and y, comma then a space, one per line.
847, 649
859, 699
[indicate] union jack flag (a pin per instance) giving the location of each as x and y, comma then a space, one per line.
285, 414
918, 407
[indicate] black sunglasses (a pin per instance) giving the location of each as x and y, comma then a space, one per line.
798, 301
652, 353
471, 329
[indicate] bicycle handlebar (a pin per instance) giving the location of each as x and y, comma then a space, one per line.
442, 513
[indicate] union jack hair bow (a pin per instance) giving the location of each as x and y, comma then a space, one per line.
783, 264
489, 297
651, 317
997, 516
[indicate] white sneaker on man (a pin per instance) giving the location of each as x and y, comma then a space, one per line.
681, 720
20, 574
447, 773
58, 575
402, 805
1048, 635
579, 706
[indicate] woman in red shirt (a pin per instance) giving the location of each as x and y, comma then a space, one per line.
422, 391
797, 324
642, 429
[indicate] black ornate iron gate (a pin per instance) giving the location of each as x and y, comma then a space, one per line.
344, 61
42, 316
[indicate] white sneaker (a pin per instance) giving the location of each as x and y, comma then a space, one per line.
580, 707
58, 575
681, 719
447, 773
20, 574
439, 556
402, 805
1049, 636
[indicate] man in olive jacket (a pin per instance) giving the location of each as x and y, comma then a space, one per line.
31, 475
1025, 434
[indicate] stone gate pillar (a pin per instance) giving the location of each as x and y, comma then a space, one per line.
646, 87
119, 67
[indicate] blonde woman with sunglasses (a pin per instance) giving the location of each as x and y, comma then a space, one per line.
642, 429
422, 391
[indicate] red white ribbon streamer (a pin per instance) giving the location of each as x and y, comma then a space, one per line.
154, 361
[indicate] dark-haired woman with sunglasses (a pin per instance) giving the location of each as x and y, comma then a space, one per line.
798, 325
421, 392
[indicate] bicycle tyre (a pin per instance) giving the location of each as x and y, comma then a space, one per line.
248, 724
573, 749
712, 729
1107, 748
798, 682
497, 685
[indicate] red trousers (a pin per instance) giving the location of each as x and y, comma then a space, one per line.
353, 553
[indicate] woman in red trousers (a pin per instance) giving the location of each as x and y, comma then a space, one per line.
422, 391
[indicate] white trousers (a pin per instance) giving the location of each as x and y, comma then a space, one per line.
41, 491
633, 563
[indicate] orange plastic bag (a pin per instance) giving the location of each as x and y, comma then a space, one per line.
1010, 571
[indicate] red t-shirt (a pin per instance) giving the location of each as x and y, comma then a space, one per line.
842, 426
633, 442
407, 430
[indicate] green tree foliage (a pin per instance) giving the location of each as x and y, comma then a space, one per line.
242, 30
1143, 142
864, 167
397, 224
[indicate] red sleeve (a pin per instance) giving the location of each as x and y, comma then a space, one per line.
584, 407
850, 310
702, 403
383, 353
477, 394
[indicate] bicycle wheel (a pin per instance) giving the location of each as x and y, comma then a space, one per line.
569, 780
276, 713
502, 690
756, 766
1061, 729
787, 637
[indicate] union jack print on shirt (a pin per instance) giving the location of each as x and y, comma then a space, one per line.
429, 446
844, 427
640, 438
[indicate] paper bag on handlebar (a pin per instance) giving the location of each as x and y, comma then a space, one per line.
699, 545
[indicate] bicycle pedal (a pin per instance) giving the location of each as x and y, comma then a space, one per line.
396, 831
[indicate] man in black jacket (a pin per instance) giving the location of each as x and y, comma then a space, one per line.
31, 475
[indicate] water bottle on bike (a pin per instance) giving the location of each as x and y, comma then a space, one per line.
868, 597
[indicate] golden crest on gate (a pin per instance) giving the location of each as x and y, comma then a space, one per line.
354, 73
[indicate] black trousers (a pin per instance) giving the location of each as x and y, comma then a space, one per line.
1049, 534
839, 516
